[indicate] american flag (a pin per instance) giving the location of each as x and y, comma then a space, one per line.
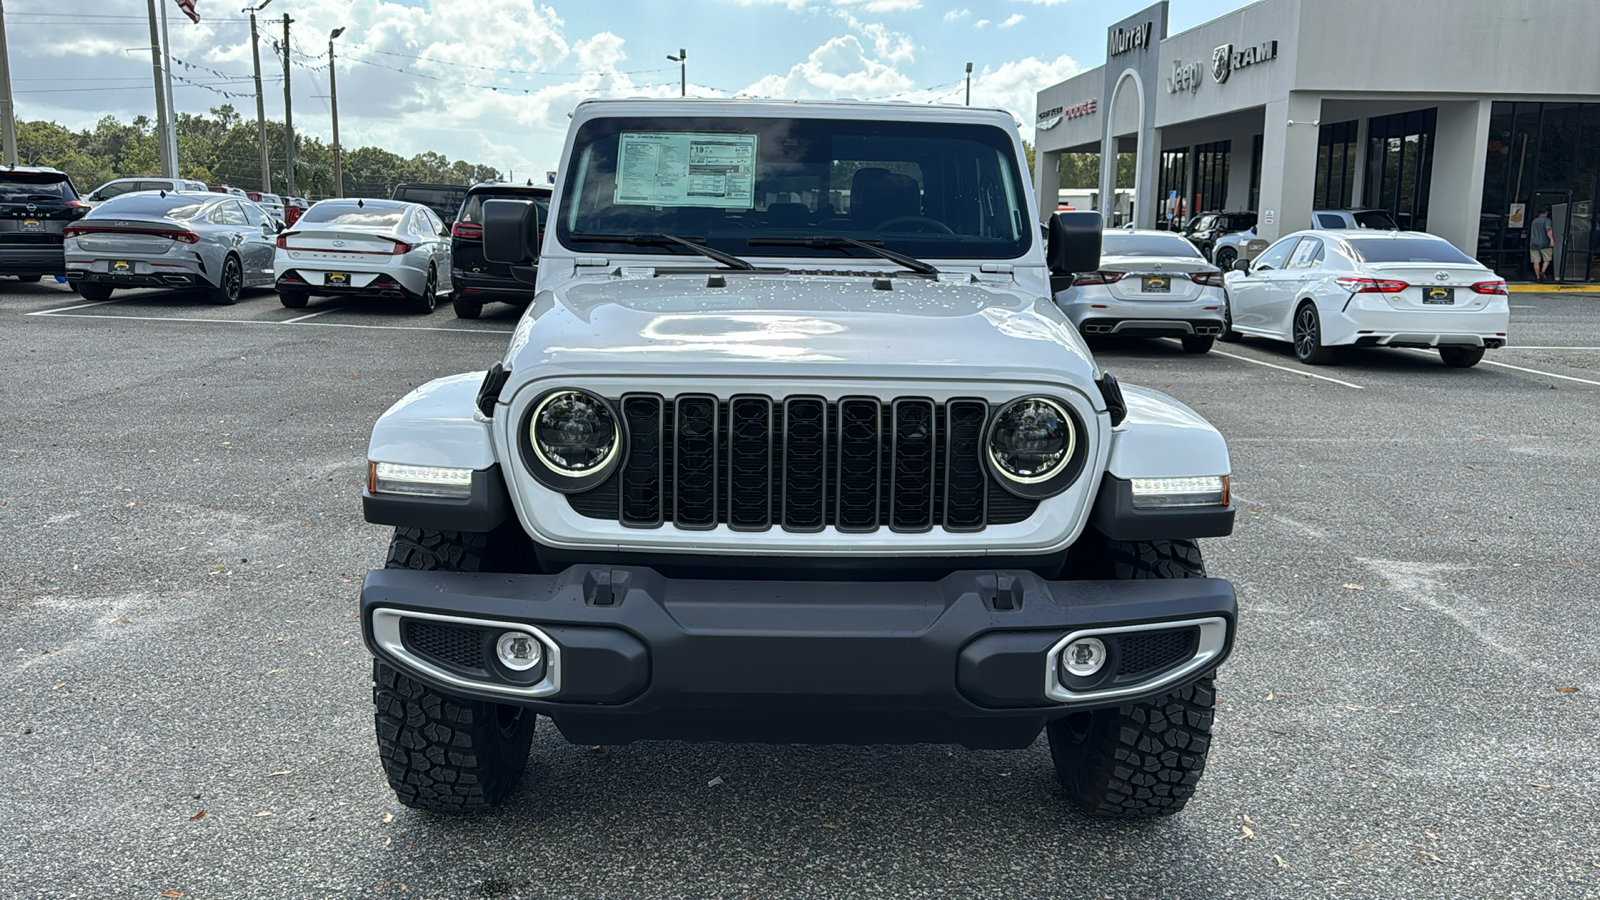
188, 9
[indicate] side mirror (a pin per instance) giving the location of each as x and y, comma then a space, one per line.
511, 231
1241, 265
1072, 245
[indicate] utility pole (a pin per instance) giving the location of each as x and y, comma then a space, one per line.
161, 95
8, 110
171, 136
288, 113
682, 59
333, 100
261, 103
969, 84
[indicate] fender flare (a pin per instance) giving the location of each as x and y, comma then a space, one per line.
1160, 438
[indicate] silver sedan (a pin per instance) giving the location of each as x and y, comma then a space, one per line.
1149, 284
182, 239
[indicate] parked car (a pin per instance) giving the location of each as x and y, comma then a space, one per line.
229, 190
477, 280
443, 199
1367, 288
273, 205
1339, 219
1230, 248
1149, 284
1204, 229
36, 205
373, 248
119, 186
782, 472
219, 244
294, 208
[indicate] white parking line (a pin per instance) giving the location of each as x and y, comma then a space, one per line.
320, 312
1287, 369
1490, 362
1529, 347
51, 312
505, 331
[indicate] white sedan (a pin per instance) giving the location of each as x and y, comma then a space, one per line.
374, 248
1149, 284
1325, 289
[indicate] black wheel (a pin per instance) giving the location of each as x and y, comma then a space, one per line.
1308, 336
427, 301
466, 307
1198, 343
94, 292
229, 285
1229, 336
1226, 257
1137, 760
1461, 357
292, 299
444, 753
29, 279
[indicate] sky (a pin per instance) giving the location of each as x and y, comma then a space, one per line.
493, 81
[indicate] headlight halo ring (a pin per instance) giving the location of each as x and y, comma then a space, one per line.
559, 477
1060, 477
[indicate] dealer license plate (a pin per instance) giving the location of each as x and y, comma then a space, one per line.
1439, 296
32, 225
336, 279
122, 267
1156, 284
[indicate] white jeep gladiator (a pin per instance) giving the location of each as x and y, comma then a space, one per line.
793, 446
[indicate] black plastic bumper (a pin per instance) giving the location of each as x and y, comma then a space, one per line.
491, 288
40, 259
170, 280
960, 660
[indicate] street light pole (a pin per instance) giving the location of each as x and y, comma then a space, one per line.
288, 112
969, 84
8, 111
682, 59
161, 94
261, 103
172, 108
333, 101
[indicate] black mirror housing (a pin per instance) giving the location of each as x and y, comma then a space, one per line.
1241, 265
511, 231
1073, 242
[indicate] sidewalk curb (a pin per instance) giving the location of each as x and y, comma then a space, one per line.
1554, 288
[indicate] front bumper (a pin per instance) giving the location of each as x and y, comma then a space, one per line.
631, 655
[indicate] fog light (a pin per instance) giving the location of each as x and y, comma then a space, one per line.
519, 651
1083, 657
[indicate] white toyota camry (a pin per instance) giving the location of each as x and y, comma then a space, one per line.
1325, 289
376, 248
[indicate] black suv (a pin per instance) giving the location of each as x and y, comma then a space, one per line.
1204, 229
35, 205
443, 199
477, 280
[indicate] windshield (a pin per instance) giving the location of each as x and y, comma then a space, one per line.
172, 206
472, 210
350, 214
1112, 244
926, 189
1417, 250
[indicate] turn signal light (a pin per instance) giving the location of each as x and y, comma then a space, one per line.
1489, 287
1098, 278
1371, 285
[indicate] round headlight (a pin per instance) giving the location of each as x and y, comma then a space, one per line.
1032, 439
573, 432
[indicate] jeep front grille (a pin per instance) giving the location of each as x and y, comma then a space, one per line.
803, 464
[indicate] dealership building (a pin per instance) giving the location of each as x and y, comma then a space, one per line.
1463, 118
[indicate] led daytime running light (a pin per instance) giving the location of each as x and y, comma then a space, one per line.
420, 481
1165, 493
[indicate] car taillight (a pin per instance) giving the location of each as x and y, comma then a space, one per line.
77, 204
1208, 279
73, 231
466, 230
1489, 287
1371, 285
171, 234
283, 239
1098, 277
401, 247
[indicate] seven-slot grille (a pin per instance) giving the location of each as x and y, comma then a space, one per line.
803, 463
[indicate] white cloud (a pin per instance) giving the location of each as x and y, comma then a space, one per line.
1012, 20
840, 67
981, 23
955, 14
872, 6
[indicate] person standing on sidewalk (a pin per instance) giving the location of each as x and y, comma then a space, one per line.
1541, 244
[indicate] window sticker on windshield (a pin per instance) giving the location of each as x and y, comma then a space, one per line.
686, 169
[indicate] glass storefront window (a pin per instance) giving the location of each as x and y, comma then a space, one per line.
1542, 154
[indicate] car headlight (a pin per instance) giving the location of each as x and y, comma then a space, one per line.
1032, 445
572, 440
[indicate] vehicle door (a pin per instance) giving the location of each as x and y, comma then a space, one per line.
259, 244
230, 231
1291, 283
1250, 293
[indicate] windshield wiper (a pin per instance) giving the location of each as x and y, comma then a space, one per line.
662, 239
839, 242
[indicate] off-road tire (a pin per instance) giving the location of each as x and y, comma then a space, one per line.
1198, 343
1460, 357
1137, 760
1307, 336
94, 292
466, 307
293, 299
230, 283
443, 753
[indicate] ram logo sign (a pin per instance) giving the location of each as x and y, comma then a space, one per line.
1225, 59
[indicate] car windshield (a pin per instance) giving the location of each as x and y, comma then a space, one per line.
350, 214
472, 210
30, 186
925, 189
1375, 218
1113, 244
1417, 250
172, 206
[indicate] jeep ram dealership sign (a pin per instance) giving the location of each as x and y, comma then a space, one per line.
1184, 78
1225, 59
1122, 40
1050, 118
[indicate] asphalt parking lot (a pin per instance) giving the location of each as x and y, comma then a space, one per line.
184, 700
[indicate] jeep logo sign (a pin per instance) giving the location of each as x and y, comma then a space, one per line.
1184, 78
1122, 40
1225, 59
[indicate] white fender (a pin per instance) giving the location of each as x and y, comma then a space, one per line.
1162, 438
435, 425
